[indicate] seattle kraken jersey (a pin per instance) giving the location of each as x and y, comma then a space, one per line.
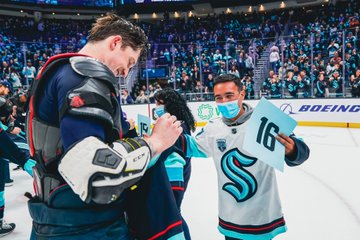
249, 203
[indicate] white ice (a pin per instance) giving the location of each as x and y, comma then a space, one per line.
320, 199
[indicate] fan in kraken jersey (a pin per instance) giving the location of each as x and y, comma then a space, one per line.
249, 203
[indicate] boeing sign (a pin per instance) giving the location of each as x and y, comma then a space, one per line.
330, 108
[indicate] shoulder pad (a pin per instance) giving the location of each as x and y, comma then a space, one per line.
90, 67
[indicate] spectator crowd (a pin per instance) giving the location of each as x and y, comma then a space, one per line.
313, 56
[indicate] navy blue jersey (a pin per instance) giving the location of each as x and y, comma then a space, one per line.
153, 208
72, 128
59, 81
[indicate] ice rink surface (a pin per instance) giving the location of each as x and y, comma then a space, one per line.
320, 199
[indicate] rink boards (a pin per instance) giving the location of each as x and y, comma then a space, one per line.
341, 112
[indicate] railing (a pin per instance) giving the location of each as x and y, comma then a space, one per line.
190, 67
310, 56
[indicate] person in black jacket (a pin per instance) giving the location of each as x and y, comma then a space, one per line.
154, 207
9, 151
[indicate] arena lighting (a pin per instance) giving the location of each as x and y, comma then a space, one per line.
261, 8
176, 15
78, 14
228, 10
136, 16
21, 11
154, 15
250, 9
53, 13
282, 5
190, 14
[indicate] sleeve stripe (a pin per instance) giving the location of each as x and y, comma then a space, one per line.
178, 188
166, 230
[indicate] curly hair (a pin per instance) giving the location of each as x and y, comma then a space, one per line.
176, 105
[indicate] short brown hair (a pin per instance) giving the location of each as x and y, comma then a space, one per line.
111, 25
229, 78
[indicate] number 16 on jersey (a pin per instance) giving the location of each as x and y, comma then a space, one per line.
265, 123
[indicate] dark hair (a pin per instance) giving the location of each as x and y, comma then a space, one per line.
176, 105
111, 25
229, 78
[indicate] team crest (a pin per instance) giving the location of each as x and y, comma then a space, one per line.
221, 143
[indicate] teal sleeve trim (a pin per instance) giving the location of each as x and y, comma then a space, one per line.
29, 166
153, 161
2, 199
3, 126
264, 236
179, 236
174, 165
192, 148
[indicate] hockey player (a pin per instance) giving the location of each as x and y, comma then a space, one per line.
249, 204
156, 213
75, 135
9, 151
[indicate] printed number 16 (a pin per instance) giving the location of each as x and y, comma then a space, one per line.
268, 135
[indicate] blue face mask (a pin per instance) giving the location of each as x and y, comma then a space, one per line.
229, 109
159, 111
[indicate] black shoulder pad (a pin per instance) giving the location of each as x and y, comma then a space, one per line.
90, 67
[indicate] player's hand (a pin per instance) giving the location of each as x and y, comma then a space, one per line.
288, 143
166, 131
16, 131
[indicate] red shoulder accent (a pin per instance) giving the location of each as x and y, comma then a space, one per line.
53, 58
77, 102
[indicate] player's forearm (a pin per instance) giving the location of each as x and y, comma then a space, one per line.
10, 150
